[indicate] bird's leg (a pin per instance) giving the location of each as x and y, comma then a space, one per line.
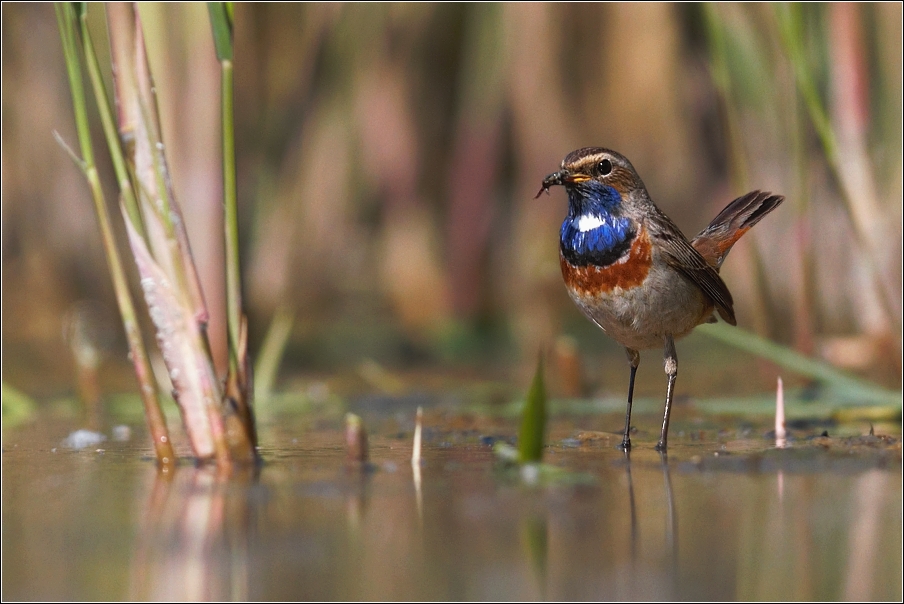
671, 369
634, 359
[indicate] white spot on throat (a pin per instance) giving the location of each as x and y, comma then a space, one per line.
588, 222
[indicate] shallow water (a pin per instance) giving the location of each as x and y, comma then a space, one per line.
721, 517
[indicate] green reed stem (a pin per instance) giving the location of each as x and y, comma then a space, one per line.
271, 353
221, 23
857, 391
790, 27
108, 121
231, 220
721, 76
166, 456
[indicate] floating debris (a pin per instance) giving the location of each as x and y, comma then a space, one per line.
82, 439
122, 433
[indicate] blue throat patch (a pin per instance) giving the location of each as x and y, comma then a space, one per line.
605, 237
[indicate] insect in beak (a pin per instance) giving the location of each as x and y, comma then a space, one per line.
556, 178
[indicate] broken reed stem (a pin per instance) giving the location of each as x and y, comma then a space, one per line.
356, 448
416, 464
780, 432
416, 448
138, 353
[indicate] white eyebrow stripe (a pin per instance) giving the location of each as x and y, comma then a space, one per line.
588, 222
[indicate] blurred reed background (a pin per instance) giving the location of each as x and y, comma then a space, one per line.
388, 156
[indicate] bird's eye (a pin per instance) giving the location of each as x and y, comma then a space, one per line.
604, 167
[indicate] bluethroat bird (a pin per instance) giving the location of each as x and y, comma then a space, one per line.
632, 271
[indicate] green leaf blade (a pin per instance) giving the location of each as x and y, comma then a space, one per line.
533, 420
221, 22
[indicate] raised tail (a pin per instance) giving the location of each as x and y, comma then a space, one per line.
715, 241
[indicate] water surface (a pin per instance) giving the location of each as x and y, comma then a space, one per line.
722, 517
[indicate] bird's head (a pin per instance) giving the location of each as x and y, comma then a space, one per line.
596, 178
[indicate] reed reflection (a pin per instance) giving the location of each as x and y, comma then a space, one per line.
535, 541
193, 540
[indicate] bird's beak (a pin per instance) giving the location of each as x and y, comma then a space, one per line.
562, 177
573, 178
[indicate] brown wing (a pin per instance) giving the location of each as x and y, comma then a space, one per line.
681, 256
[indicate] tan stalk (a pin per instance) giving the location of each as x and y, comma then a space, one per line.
169, 279
138, 354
